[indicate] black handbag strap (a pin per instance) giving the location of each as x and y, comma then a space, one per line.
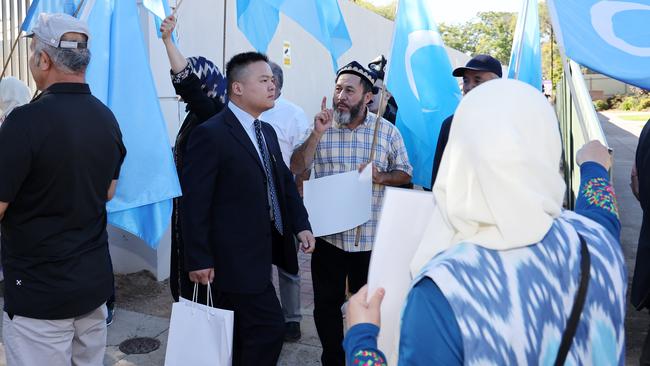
578, 304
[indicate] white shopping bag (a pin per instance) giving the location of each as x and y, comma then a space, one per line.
199, 334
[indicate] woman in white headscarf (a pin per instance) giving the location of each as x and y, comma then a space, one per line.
13, 93
508, 277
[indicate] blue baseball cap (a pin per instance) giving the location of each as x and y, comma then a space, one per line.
480, 63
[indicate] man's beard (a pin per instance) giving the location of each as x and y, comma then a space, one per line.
344, 118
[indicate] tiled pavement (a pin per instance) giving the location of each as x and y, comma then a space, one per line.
129, 324
622, 136
307, 350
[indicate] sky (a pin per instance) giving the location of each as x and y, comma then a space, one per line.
460, 11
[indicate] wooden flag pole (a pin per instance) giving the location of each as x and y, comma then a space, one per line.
380, 112
178, 5
81, 4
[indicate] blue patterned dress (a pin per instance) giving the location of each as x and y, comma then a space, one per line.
477, 306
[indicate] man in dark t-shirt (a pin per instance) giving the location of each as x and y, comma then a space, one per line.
60, 159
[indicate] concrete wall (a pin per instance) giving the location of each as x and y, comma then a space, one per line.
603, 87
310, 77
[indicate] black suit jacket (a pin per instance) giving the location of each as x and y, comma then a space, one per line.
443, 137
225, 215
640, 296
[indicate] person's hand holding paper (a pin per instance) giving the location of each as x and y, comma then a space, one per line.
339, 202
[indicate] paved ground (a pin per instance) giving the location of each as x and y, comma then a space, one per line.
622, 137
130, 324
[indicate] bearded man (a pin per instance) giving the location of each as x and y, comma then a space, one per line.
341, 141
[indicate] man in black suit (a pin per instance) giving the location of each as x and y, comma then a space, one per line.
241, 208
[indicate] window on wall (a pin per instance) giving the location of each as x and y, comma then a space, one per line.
12, 13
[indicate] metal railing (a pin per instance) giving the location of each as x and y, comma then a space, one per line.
579, 124
12, 13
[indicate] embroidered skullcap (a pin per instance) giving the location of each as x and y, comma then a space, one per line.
355, 68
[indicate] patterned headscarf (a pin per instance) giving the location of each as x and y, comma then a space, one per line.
213, 82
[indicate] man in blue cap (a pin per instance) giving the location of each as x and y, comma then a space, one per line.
479, 69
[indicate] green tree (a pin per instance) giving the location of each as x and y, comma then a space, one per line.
492, 33
387, 11
495, 33
551, 60
459, 37
489, 33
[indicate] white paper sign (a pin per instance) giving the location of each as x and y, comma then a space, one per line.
405, 215
338, 202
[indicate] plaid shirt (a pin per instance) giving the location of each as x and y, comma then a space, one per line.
342, 150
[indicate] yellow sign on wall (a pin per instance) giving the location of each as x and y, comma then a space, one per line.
286, 54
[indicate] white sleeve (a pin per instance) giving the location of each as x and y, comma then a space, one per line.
302, 128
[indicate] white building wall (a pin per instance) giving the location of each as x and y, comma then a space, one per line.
601, 85
310, 77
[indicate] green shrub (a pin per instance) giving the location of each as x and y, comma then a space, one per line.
601, 105
628, 104
615, 101
643, 104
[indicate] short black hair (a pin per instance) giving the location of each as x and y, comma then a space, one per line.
238, 63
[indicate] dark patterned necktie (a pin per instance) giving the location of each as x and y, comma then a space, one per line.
270, 186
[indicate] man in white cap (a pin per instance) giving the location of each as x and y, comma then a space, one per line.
60, 158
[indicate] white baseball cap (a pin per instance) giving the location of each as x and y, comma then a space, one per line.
49, 28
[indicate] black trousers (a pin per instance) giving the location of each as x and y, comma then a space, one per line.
330, 266
259, 326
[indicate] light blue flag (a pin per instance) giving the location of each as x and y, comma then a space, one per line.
258, 20
98, 16
148, 180
47, 6
419, 77
160, 9
526, 57
609, 37
322, 19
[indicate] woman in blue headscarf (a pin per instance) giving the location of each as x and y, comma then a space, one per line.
508, 277
201, 85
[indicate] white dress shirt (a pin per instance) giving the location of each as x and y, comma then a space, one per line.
290, 124
248, 122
